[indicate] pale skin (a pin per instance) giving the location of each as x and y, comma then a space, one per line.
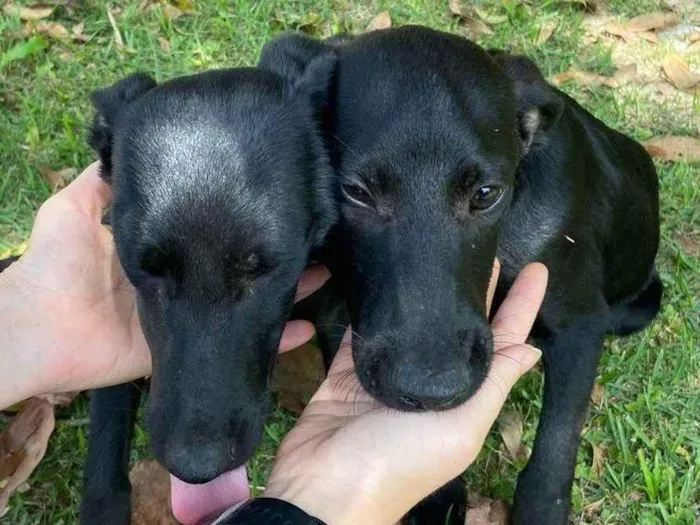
69, 322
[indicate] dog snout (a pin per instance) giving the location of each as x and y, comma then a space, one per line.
196, 462
414, 373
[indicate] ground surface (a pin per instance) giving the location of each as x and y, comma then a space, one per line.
640, 457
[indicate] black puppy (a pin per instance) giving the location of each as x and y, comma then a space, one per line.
222, 190
449, 156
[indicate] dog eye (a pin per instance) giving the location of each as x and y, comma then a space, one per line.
485, 197
357, 194
154, 262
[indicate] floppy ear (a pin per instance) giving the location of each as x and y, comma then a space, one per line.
306, 66
109, 103
539, 106
307, 69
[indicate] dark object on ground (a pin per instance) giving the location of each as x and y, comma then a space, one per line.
450, 155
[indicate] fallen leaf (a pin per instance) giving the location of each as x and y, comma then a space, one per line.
381, 21
546, 31
619, 30
625, 74
690, 243
652, 21
53, 29
298, 375
583, 78
674, 148
184, 5
457, 9
23, 444
489, 18
598, 463
677, 71
510, 427
150, 494
77, 33
30, 12
58, 179
591, 511
486, 511
164, 44
597, 394
171, 12
475, 27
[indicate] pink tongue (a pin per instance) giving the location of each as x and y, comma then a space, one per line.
192, 503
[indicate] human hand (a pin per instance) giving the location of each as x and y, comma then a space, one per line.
70, 311
349, 460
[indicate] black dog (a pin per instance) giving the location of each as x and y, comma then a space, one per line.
449, 156
222, 190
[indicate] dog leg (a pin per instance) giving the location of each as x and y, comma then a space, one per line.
543, 492
106, 488
445, 506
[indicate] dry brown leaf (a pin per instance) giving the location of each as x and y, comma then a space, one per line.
171, 12
298, 375
546, 31
591, 511
625, 74
652, 21
583, 78
678, 72
52, 29
457, 9
648, 36
381, 21
475, 27
690, 242
486, 511
30, 12
77, 33
510, 427
674, 148
23, 444
150, 494
598, 463
58, 179
597, 394
489, 18
616, 29
164, 44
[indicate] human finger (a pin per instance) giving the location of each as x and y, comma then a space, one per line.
495, 272
88, 191
311, 280
295, 334
515, 317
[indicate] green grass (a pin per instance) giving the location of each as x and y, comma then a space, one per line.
647, 426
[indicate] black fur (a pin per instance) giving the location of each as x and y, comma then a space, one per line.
421, 121
222, 192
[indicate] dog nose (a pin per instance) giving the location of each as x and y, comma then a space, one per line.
196, 463
413, 387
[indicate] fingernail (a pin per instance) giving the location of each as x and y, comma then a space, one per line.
536, 351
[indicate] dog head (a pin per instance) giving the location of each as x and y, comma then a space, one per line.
426, 134
221, 191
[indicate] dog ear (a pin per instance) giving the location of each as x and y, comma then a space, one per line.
539, 106
109, 103
307, 69
306, 66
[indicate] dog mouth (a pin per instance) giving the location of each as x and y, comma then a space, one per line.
201, 504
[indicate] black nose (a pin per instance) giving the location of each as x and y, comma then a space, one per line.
195, 462
412, 387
